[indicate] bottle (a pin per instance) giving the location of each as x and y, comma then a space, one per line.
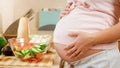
23, 29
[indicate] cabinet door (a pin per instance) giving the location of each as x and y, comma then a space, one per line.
48, 19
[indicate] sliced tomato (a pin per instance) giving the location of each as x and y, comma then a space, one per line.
19, 48
39, 55
26, 46
33, 59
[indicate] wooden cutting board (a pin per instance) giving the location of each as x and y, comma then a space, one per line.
14, 62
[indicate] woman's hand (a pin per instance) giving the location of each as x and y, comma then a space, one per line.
65, 11
83, 42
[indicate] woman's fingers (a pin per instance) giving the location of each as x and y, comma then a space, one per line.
78, 56
71, 51
81, 44
81, 53
69, 47
75, 54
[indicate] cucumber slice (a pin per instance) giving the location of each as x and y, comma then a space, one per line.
37, 46
22, 51
27, 56
34, 50
18, 53
43, 46
39, 50
32, 53
26, 52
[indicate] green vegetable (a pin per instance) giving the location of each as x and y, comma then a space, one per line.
39, 50
27, 56
23, 52
18, 53
26, 52
32, 53
3, 42
36, 46
43, 46
29, 53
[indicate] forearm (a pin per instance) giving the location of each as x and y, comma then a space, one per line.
108, 35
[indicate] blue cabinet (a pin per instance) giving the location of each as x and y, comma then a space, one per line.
48, 19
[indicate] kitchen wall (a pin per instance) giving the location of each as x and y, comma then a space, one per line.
14, 9
0, 20
7, 13
0, 23
22, 6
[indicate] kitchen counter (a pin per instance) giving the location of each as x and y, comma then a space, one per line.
48, 61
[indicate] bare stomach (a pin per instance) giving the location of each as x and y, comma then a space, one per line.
60, 50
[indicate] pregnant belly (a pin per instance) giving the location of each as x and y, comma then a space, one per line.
77, 21
60, 50
66, 26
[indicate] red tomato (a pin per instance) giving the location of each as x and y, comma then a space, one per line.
39, 55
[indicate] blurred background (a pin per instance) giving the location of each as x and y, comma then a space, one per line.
11, 10
43, 16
